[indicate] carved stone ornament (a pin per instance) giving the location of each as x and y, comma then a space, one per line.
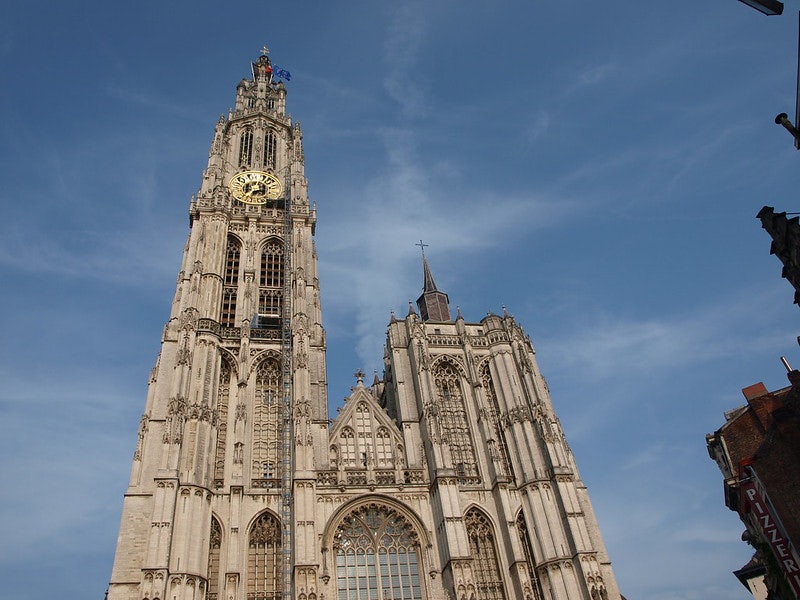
188, 319
184, 355
422, 356
176, 416
200, 412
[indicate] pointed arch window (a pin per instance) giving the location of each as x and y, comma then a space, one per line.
270, 280
228, 316
494, 416
383, 445
263, 559
482, 548
452, 419
271, 274
377, 556
230, 283
267, 429
215, 543
223, 394
347, 447
525, 541
363, 420
232, 256
270, 148
246, 148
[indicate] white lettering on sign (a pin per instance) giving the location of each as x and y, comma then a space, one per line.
757, 501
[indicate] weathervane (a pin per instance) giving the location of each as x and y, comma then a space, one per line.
264, 50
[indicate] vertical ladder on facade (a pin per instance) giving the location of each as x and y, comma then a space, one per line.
287, 462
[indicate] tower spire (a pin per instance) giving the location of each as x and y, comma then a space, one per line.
433, 304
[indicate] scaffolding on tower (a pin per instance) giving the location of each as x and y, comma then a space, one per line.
287, 469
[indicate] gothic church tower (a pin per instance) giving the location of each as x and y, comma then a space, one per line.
450, 478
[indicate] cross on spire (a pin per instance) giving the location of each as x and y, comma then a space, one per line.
422, 247
264, 50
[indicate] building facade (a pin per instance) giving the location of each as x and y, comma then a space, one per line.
758, 452
447, 478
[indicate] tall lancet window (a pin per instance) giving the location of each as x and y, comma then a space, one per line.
215, 543
525, 541
377, 556
263, 559
485, 568
452, 418
270, 148
347, 447
383, 448
494, 415
246, 148
270, 281
267, 429
230, 282
223, 395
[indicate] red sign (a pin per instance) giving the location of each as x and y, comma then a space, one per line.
757, 503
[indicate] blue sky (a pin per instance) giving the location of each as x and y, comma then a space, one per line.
594, 166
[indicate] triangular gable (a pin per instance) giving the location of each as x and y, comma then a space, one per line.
363, 434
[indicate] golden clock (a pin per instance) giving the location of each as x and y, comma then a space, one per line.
255, 187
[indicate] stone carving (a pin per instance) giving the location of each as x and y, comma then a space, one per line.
143, 423
176, 417
188, 319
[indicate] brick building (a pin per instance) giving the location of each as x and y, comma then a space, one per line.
758, 452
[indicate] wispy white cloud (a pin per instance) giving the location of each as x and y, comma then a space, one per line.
594, 74
404, 38
538, 126
155, 103
133, 257
610, 345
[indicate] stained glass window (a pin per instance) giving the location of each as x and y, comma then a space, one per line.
522, 531
230, 281
452, 418
213, 559
485, 568
272, 264
245, 148
377, 556
267, 429
263, 559
270, 281
270, 144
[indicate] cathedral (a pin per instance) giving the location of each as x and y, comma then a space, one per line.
447, 478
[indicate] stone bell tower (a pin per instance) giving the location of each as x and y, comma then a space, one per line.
242, 352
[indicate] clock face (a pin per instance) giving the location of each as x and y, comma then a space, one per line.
255, 187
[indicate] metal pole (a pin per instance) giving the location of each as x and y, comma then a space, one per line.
797, 87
